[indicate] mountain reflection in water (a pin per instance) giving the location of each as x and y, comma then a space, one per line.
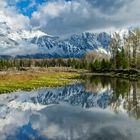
99, 109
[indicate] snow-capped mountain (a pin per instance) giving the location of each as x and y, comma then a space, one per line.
29, 43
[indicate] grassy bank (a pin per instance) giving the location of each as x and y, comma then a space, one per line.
28, 80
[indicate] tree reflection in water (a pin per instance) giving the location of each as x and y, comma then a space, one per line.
126, 94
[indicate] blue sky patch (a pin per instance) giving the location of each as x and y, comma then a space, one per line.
27, 7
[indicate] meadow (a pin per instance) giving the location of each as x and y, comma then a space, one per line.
33, 79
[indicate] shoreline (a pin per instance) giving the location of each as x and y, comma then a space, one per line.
28, 79
126, 74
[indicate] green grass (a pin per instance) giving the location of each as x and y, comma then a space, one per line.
27, 80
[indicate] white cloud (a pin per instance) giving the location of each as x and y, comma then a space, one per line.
67, 17
10, 15
60, 17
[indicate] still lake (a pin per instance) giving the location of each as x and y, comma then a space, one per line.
99, 108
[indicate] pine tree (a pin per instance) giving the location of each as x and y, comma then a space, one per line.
118, 60
103, 64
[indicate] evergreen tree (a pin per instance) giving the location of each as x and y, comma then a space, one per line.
103, 64
118, 59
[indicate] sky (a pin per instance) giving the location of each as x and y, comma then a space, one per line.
65, 17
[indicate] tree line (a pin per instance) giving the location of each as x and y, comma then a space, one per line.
70, 62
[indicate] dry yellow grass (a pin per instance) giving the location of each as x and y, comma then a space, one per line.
27, 80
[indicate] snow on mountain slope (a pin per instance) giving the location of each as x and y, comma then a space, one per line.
75, 46
29, 43
25, 34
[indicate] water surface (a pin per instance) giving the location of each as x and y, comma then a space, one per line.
98, 109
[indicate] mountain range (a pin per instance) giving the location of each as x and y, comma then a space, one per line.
37, 44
